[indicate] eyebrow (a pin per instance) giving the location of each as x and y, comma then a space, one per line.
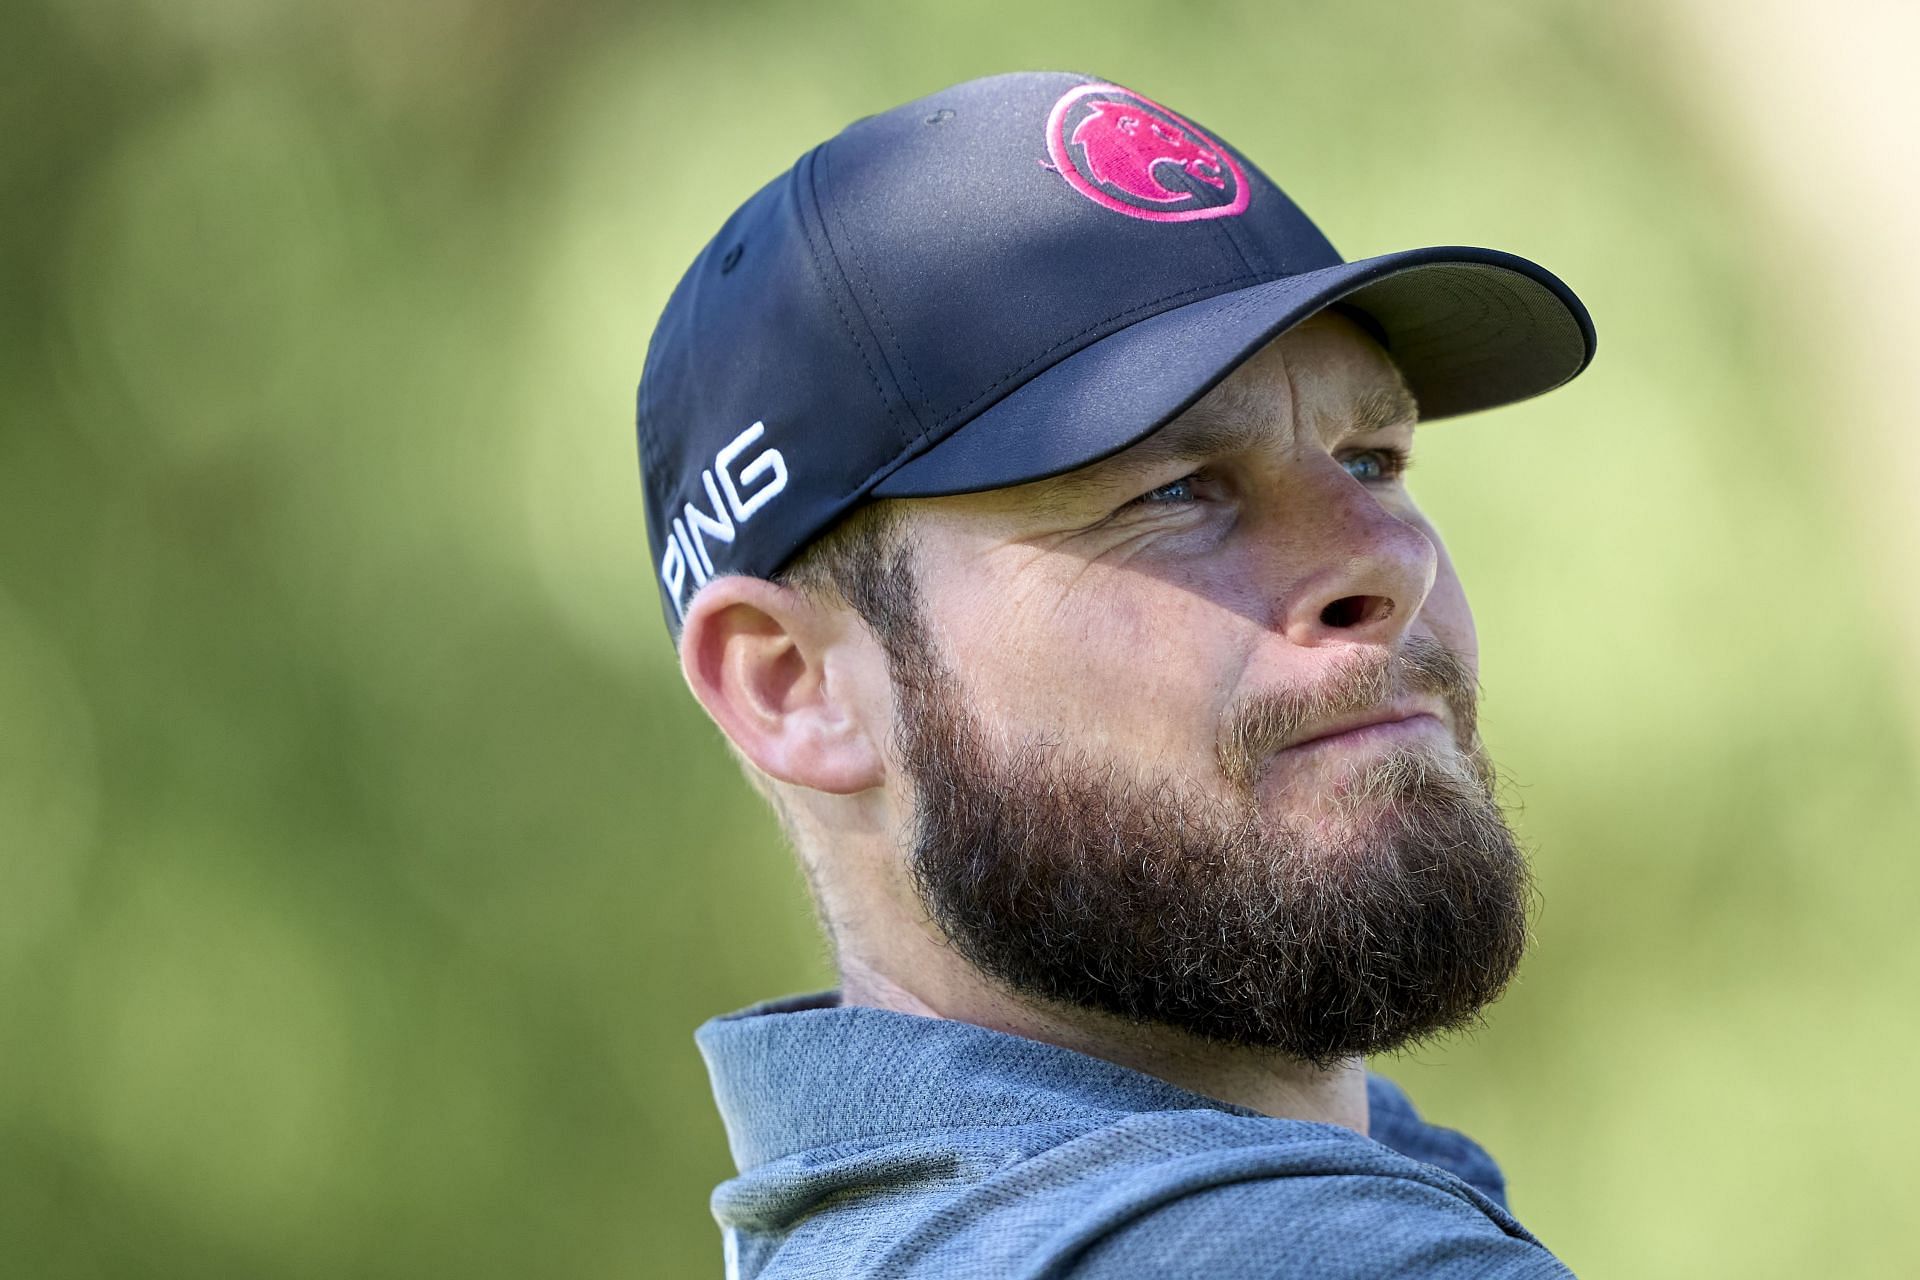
1206, 432
1382, 408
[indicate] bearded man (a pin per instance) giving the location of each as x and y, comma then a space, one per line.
1025, 479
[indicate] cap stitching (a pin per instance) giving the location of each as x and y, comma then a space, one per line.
897, 353
826, 285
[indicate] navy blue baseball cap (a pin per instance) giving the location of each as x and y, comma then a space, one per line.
1013, 278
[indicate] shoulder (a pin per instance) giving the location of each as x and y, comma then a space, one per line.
1328, 1226
1396, 1124
1322, 1203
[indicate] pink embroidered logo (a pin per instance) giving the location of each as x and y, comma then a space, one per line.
1135, 157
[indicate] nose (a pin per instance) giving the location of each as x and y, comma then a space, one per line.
1361, 573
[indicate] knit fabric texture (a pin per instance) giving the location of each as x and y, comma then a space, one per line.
879, 1144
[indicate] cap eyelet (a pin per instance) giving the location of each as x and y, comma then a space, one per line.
731, 258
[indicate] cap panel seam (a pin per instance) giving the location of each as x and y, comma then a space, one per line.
1234, 239
1233, 242
827, 286
1245, 246
893, 351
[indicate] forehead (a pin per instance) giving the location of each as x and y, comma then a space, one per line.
1324, 376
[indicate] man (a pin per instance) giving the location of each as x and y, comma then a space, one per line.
1024, 476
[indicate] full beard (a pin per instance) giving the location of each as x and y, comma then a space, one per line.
1074, 882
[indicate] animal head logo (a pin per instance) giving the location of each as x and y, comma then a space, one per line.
1132, 155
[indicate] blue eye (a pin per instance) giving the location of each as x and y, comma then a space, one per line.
1180, 490
1374, 465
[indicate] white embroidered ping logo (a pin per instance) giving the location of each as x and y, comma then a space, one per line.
746, 489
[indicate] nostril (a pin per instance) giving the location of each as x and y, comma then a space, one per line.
1356, 611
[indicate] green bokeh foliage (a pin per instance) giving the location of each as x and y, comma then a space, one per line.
364, 868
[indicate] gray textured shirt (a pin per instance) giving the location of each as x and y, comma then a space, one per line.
880, 1144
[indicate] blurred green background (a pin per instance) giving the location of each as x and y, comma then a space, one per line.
365, 869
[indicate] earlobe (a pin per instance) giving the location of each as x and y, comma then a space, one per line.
763, 660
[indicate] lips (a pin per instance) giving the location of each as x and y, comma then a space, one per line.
1388, 720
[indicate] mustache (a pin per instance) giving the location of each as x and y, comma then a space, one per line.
1263, 723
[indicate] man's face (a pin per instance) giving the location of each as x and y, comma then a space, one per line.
1118, 705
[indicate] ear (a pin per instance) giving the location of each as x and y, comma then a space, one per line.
774, 668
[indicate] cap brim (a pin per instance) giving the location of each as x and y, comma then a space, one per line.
1468, 329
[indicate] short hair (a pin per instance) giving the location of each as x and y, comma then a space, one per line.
864, 560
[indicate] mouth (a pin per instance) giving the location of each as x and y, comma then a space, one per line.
1375, 732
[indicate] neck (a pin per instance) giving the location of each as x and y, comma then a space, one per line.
881, 936
1259, 1080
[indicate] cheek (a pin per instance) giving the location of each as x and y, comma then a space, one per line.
1127, 662
1446, 613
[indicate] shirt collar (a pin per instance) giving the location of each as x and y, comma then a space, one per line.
806, 1071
